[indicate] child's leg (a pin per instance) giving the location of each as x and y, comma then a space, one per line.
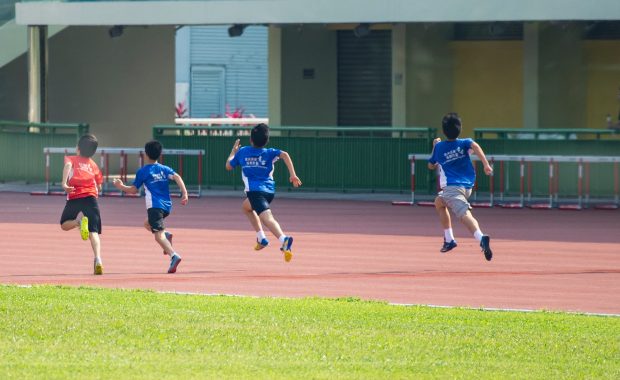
272, 224
68, 219
160, 238
69, 225
446, 222
287, 241
91, 211
246, 207
95, 244
442, 211
472, 225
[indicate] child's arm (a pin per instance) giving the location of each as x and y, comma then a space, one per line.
233, 151
434, 166
65, 177
177, 178
478, 152
291, 169
122, 187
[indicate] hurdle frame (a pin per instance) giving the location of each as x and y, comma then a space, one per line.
104, 166
525, 169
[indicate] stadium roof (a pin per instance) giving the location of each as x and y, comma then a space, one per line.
80, 12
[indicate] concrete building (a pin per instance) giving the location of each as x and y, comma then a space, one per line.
534, 64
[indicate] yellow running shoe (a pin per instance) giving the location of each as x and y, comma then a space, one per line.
98, 267
84, 228
261, 244
286, 248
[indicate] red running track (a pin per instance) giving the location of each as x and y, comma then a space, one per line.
553, 260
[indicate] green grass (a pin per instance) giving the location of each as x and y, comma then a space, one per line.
60, 332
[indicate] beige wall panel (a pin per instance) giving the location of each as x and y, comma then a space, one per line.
311, 102
603, 88
488, 84
121, 86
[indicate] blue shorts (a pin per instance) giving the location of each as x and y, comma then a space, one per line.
259, 200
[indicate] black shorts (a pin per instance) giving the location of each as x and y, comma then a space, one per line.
259, 200
88, 207
156, 219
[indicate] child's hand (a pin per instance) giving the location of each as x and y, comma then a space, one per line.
117, 183
67, 188
295, 181
236, 147
437, 140
184, 199
488, 170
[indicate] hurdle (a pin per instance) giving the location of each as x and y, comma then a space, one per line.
412, 176
525, 198
123, 154
412, 202
616, 203
490, 203
521, 202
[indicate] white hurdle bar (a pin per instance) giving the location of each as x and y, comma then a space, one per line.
123, 153
583, 164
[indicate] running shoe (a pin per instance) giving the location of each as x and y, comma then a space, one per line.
486, 247
168, 237
98, 267
84, 228
286, 248
261, 244
175, 260
448, 246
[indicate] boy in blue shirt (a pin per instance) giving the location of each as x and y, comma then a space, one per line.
256, 163
155, 176
457, 177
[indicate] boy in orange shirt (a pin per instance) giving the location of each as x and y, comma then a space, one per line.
81, 180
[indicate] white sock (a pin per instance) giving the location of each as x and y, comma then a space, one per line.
174, 253
261, 235
281, 238
448, 235
478, 235
98, 260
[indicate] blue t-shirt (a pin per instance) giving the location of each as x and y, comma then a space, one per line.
455, 166
155, 178
257, 167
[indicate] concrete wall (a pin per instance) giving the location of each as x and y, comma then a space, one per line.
120, 86
562, 76
429, 76
310, 102
14, 90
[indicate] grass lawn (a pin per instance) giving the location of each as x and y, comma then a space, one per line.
60, 332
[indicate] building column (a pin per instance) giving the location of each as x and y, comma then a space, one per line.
275, 75
37, 73
530, 74
399, 69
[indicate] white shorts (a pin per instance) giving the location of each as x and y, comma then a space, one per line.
455, 198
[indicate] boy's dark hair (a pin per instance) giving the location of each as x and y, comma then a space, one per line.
451, 125
260, 135
88, 145
153, 149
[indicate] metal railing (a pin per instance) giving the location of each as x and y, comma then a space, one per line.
21, 144
544, 133
326, 158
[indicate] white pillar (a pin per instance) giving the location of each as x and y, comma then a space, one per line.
399, 68
275, 75
530, 74
37, 73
